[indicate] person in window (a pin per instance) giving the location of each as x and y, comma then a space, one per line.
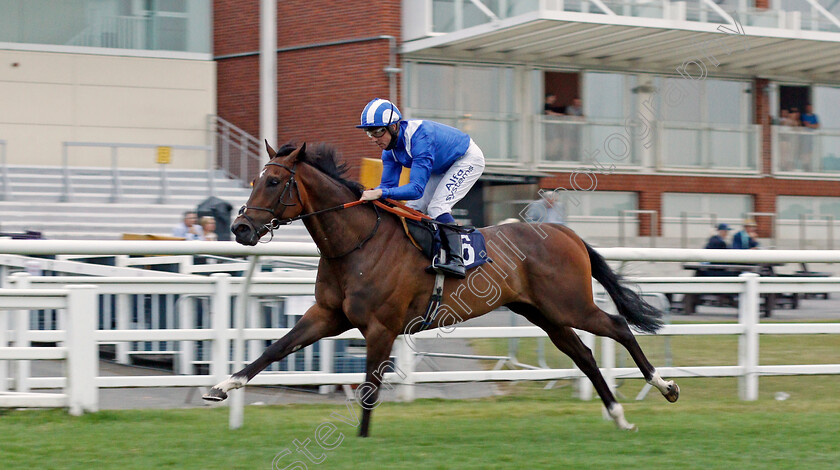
548, 209
576, 108
718, 241
445, 163
746, 239
189, 228
551, 108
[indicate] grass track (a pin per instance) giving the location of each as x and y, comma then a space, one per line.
531, 430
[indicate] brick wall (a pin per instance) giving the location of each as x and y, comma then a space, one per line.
321, 89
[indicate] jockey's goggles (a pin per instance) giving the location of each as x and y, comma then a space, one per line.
376, 132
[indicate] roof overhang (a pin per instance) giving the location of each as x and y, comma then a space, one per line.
614, 42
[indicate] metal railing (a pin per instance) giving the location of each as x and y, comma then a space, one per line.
239, 154
119, 32
654, 218
803, 223
684, 216
116, 184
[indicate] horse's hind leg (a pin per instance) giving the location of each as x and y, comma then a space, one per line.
569, 343
601, 323
315, 324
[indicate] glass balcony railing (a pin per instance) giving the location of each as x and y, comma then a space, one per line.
673, 146
174, 25
704, 146
802, 150
454, 15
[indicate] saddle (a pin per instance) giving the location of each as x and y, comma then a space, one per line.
423, 232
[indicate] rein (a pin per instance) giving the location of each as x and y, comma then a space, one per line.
277, 222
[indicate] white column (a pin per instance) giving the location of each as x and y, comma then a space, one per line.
585, 387
82, 350
748, 341
268, 71
220, 321
186, 349
405, 364
22, 336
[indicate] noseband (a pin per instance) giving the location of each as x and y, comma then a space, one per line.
277, 221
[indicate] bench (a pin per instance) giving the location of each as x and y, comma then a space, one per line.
770, 301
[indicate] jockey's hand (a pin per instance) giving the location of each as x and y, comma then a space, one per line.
371, 195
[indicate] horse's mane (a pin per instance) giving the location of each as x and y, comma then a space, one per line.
325, 158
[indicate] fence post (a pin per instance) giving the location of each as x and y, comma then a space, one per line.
237, 408
748, 341
405, 364
584, 384
21, 281
82, 350
220, 321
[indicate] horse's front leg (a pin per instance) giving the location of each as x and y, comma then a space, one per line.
318, 322
379, 342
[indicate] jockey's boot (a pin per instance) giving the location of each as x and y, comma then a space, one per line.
454, 266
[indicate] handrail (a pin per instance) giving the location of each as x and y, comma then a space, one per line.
116, 192
653, 224
829, 219
245, 160
684, 224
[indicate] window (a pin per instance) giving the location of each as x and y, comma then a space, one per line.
599, 203
792, 207
706, 124
476, 100
723, 206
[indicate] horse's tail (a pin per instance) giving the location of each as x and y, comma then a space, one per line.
630, 304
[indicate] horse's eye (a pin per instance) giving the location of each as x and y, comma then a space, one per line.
273, 182
253, 181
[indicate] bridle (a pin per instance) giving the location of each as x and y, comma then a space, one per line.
277, 221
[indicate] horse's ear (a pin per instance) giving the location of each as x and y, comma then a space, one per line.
300, 152
271, 152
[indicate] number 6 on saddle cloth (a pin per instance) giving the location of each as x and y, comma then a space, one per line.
425, 236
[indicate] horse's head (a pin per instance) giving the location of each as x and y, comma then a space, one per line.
275, 197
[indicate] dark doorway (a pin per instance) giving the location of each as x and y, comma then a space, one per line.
564, 85
791, 97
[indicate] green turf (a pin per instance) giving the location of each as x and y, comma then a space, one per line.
708, 428
532, 429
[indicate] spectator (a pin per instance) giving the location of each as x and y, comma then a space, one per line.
719, 241
208, 225
746, 239
189, 228
547, 209
809, 119
576, 108
551, 107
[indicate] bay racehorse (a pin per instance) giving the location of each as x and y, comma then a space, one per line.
372, 278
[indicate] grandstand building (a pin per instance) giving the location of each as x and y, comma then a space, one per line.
682, 101
683, 106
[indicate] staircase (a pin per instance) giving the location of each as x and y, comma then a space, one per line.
36, 200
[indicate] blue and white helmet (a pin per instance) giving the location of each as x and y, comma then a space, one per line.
379, 113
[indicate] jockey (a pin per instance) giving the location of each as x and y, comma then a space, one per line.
445, 163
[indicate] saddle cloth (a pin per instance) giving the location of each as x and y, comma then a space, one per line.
425, 237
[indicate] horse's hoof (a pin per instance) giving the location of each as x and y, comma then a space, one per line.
673, 393
215, 394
